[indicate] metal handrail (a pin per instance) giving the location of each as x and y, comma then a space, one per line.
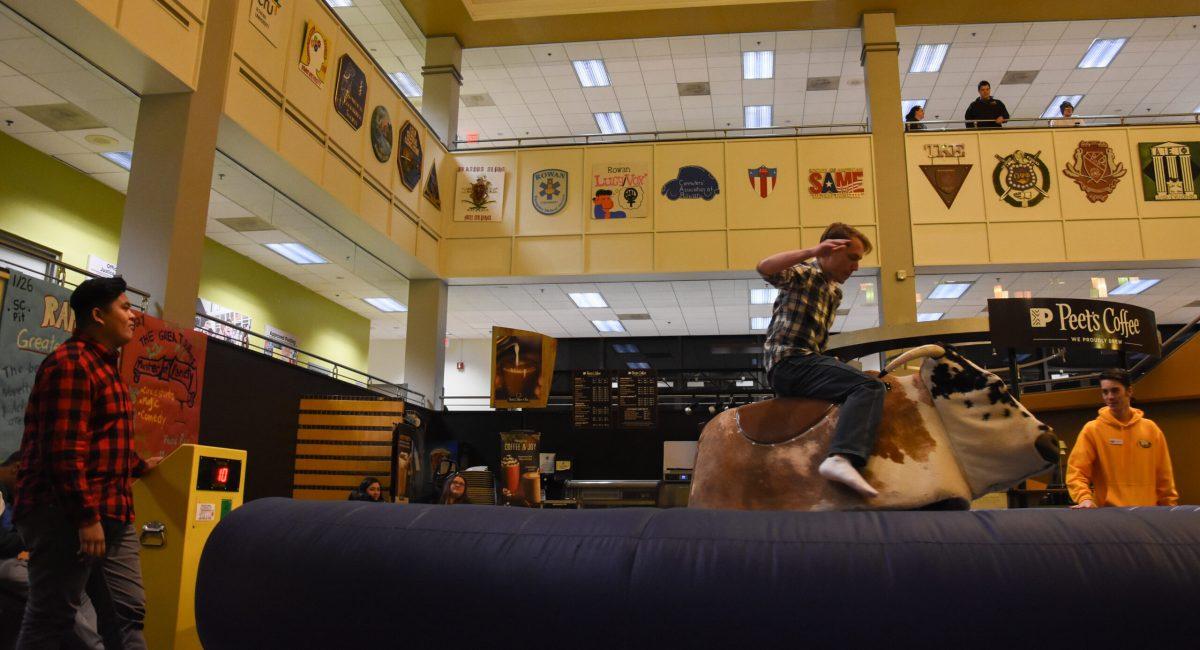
1044, 122
679, 134
70, 267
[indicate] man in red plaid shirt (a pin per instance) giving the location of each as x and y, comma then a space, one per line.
73, 502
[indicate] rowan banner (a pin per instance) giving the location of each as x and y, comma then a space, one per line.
163, 367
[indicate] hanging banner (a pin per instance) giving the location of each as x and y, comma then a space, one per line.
1028, 323
836, 183
519, 476
272, 344
432, 194
381, 134
265, 16
522, 367
619, 191
350, 93
163, 366
36, 318
411, 156
216, 320
480, 192
314, 54
1169, 170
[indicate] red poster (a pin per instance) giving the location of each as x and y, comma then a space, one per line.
164, 369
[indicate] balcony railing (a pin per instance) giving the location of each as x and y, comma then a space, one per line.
662, 136
1044, 122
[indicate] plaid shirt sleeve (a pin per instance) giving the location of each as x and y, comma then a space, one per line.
783, 279
66, 413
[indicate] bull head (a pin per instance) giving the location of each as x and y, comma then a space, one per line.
997, 441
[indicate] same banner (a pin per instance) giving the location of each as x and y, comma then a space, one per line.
163, 367
522, 367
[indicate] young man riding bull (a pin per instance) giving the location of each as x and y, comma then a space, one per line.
809, 282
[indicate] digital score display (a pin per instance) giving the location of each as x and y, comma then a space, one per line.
219, 474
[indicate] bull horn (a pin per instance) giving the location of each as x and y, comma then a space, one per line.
931, 350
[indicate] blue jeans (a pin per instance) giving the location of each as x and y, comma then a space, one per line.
860, 395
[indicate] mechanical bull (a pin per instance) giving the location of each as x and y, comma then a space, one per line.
951, 433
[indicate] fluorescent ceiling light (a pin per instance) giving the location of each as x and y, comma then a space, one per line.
929, 57
608, 325
588, 300
1099, 287
638, 365
591, 73
610, 122
764, 296
340, 3
759, 323
949, 291
1102, 52
907, 104
406, 84
758, 65
297, 253
1053, 109
122, 159
926, 317
625, 348
385, 304
1133, 287
758, 116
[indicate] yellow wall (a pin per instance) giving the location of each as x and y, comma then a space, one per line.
979, 228
46, 201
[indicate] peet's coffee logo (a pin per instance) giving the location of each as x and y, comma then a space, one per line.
1061, 322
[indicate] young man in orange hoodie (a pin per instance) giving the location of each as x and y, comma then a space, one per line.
1121, 458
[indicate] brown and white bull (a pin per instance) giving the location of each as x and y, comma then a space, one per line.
951, 433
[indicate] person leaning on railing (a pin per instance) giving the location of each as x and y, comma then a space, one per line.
986, 112
1067, 119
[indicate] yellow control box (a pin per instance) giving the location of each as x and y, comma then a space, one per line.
177, 506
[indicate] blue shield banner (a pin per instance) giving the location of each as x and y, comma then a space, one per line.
549, 191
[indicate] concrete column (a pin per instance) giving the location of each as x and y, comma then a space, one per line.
424, 347
443, 80
162, 234
880, 60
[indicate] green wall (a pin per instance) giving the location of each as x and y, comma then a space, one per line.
48, 202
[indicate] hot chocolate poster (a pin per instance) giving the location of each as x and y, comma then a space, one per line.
522, 366
519, 477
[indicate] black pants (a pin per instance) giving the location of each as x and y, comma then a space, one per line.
861, 397
59, 575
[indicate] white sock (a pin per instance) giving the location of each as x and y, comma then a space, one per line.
838, 468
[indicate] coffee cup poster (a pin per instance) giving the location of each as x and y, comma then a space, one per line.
522, 367
520, 477
480, 193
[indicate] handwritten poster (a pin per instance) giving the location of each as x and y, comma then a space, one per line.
480, 193
36, 318
163, 367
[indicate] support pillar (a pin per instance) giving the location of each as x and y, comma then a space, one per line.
166, 207
881, 66
424, 345
443, 80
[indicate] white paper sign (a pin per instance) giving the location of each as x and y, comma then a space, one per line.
206, 511
100, 267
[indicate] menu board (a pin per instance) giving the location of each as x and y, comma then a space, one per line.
637, 399
592, 399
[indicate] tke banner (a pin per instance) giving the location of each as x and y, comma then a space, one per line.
1067, 322
163, 367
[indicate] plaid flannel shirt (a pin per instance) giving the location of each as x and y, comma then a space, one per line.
803, 312
77, 452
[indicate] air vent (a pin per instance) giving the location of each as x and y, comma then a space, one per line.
854, 82
62, 117
1015, 77
824, 83
475, 101
694, 89
247, 224
843, 312
633, 316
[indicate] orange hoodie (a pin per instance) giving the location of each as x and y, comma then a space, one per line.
1121, 463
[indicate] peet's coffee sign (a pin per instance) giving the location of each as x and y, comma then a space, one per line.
1065, 322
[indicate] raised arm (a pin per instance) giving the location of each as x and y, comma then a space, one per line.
780, 262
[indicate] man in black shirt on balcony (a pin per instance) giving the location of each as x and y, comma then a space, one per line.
987, 112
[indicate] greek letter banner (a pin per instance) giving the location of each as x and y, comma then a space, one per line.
36, 318
163, 366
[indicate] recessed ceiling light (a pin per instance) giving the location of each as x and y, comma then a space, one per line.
588, 300
297, 253
758, 117
1134, 286
764, 296
638, 365
625, 348
929, 57
1099, 287
406, 84
949, 291
758, 65
907, 104
925, 317
122, 159
385, 304
591, 73
610, 122
1053, 109
1102, 52
340, 3
759, 323
100, 140
608, 325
